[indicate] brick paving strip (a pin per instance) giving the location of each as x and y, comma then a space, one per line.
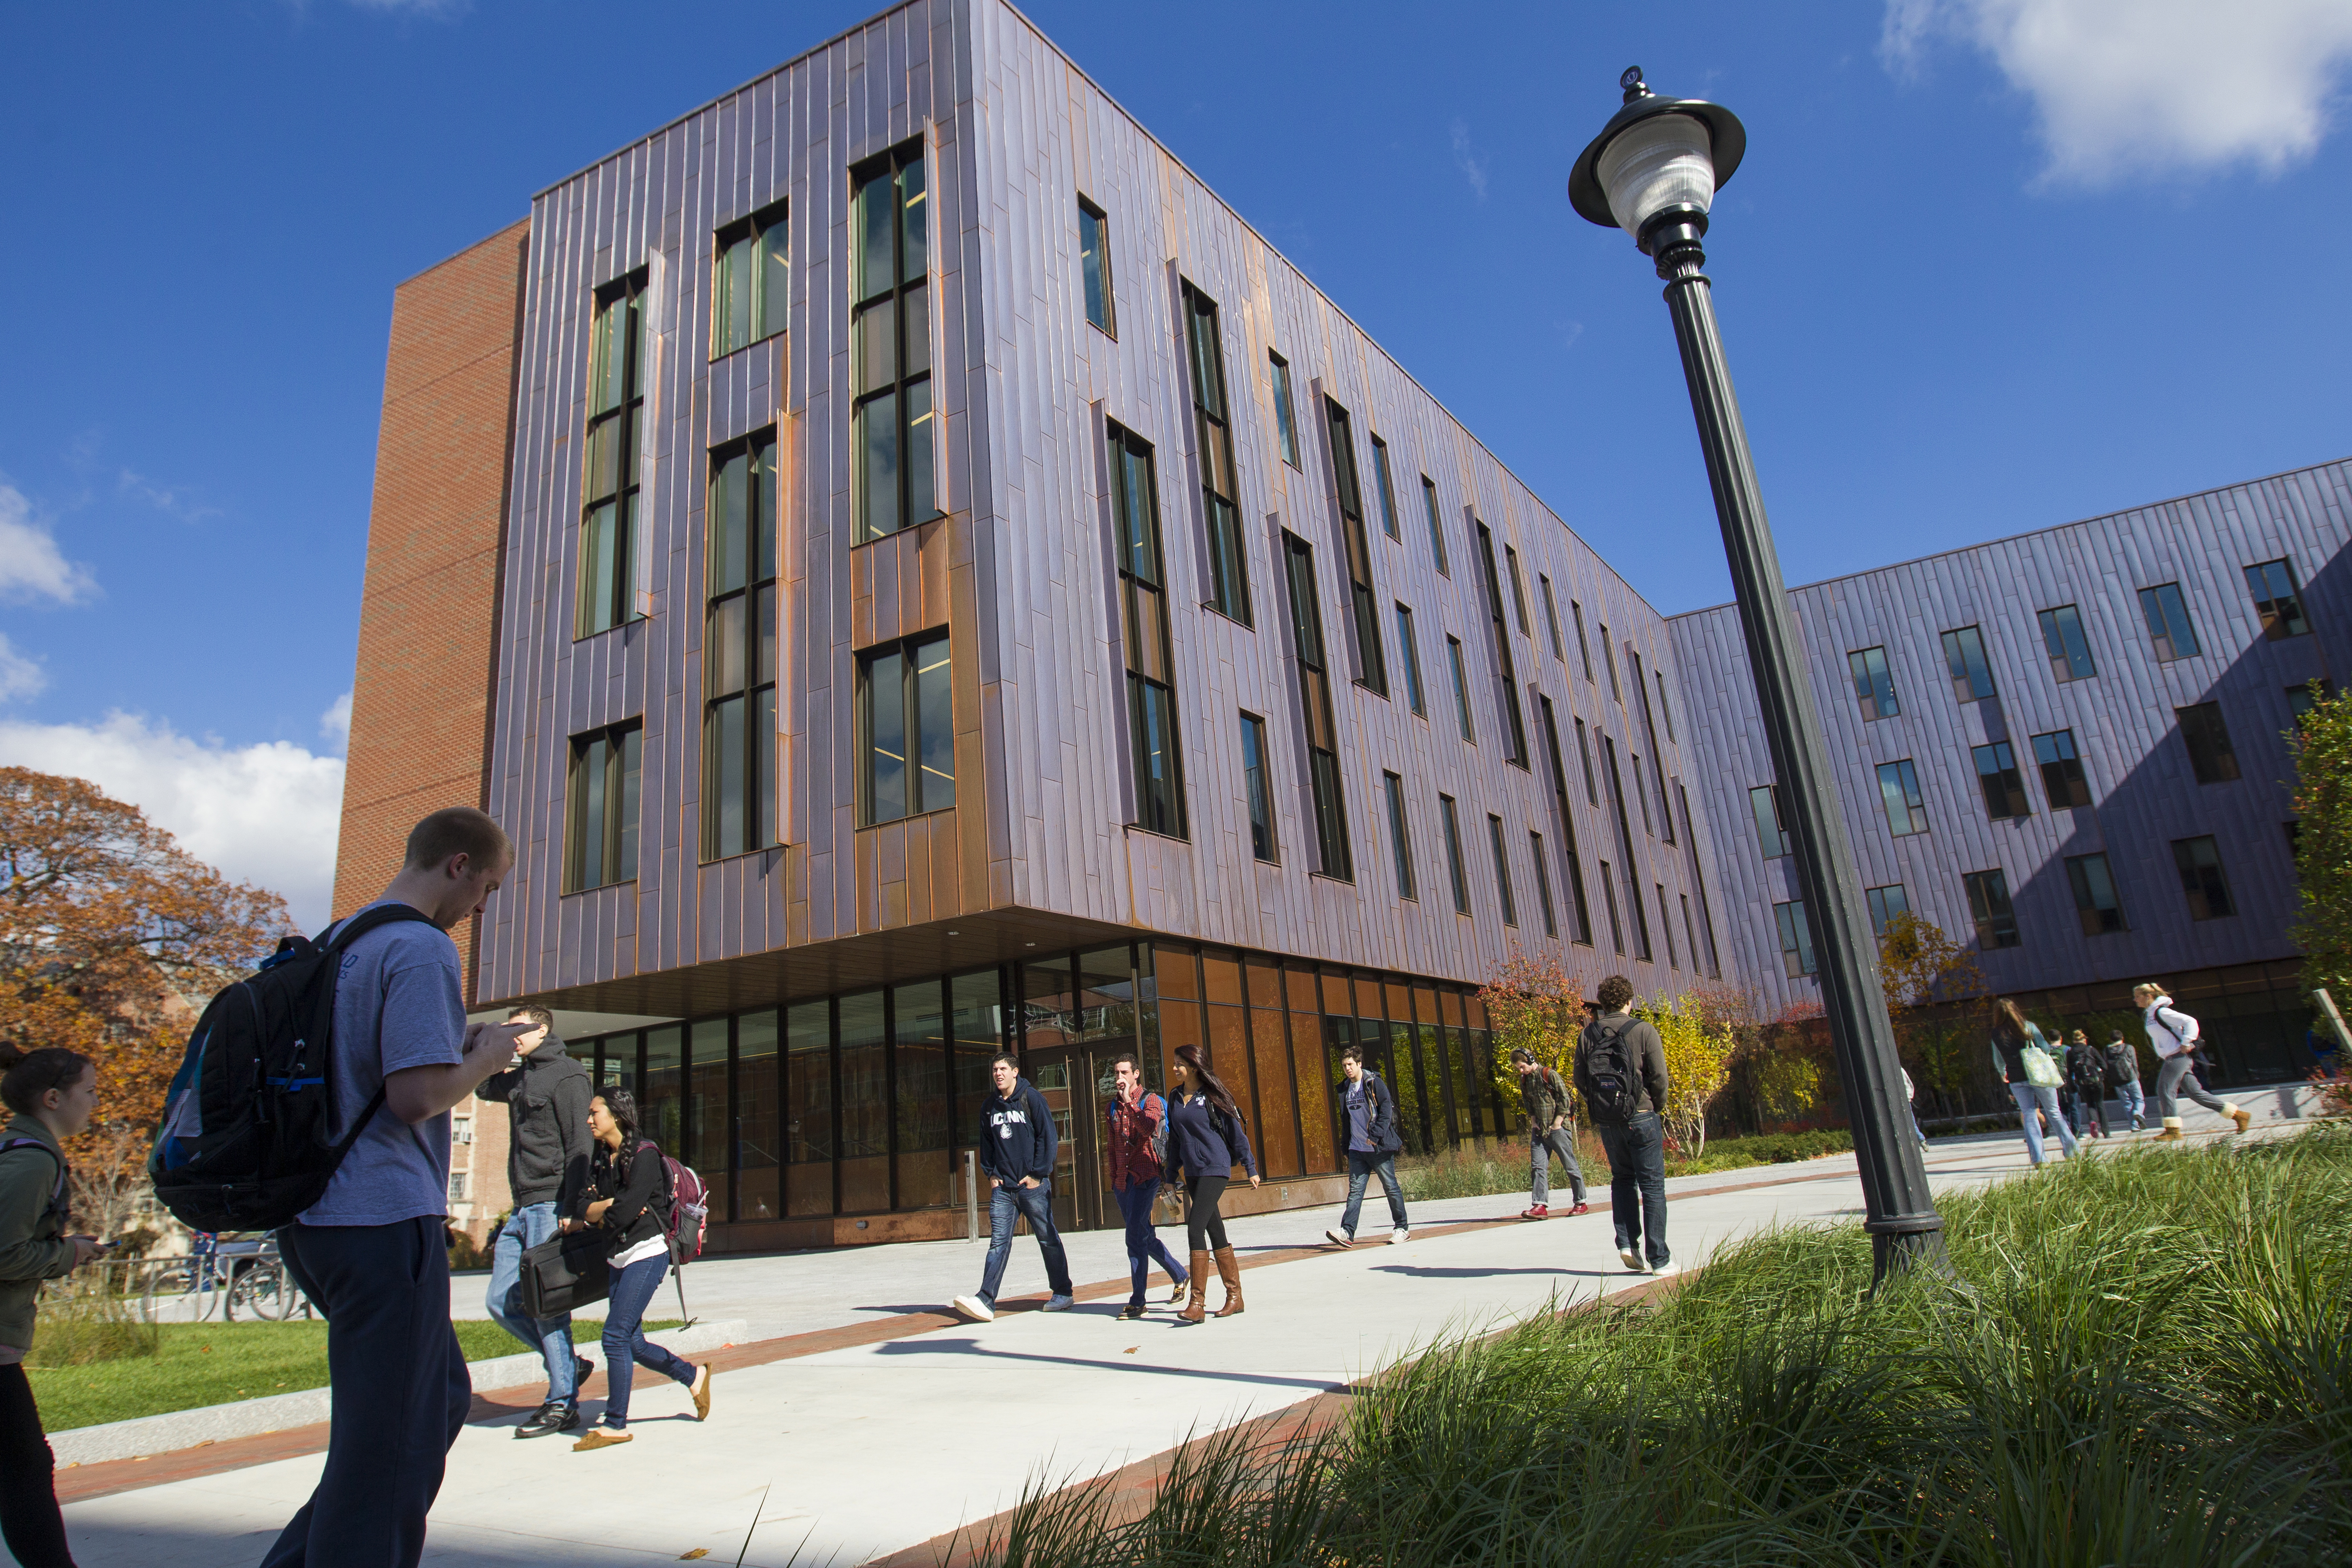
77, 1483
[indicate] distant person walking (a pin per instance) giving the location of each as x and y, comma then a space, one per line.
1620, 1070
2087, 1069
1206, 1139
1137, 1119
372, 1252
2029, 1068
546, 1095
2123, 1076
54, 1094
1018, 1153
1552, 1113
625, 1192
2174, 1034
1374, 1141
1911, 1103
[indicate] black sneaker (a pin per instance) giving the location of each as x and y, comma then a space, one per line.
553, 1416
582, 1368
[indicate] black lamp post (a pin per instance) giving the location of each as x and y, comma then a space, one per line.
1653, 171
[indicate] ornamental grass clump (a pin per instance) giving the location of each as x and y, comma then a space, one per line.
2140, 1359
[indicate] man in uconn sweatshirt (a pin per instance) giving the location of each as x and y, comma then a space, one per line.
1017, 1154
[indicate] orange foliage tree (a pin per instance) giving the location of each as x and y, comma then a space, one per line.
111, 938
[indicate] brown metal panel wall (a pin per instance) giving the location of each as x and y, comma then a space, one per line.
2144, 795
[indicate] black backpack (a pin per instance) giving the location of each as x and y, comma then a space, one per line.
2123, 1064
1612, 1079
245, 1143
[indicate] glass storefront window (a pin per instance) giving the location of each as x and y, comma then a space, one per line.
661, 1097
1277, 1129
865, 1104
706, 1127
758, 1147
808, 1109
920, 1066
1307, 1066
976, 1004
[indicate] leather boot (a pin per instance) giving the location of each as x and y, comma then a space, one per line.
1196, 1298
2171, 1133
2238, 1116
1229, 1269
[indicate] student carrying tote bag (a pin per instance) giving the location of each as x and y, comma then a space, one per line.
563, 1274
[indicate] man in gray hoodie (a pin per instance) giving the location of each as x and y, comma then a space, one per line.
1620, 1070
546, 1094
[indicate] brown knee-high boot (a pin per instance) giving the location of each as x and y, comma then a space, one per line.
1196, 1298
1229, 1269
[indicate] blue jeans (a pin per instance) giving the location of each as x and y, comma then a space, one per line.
1637, 1183
1143, 1243
401, 1389
550, 1336
1363, 1166
1014, 1202
2029, 1097
2134, 1100
625, 1345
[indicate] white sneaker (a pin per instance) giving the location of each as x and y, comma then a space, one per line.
978, 1311
1633, 1259
1058, 1304
1338, 1238
1663, 1268
1398, 1237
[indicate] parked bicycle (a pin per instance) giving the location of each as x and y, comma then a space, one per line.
222, 1276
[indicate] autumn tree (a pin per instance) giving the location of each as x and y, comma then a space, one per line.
1698, 1043
2321, 741
111, 938
1937, 1002
1532, 1004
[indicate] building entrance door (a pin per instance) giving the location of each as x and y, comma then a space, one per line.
1072, 1081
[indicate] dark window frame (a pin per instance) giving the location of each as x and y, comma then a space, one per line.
1436, 527
603, 809
2061, 762
1874, 683
612, 460
1904, 782
2067, 644
2204, 882
1799, 956
1325, 789
1461, 690
2205, 734
2002, 782
2171, 631
1581, 909
1286, 409
1780, 833
751, 239
1966, 665
1154, 729
740, 683
1257, 789
902, 307
1507, 672
1400, 837
918, 788
1991, 908
1094, 275
1551, 617
2085, 873
1543, 884
1502, 854
1881, 914
2278, 599
1228, 560
1387, 487
1450, 815
1583, 644
1415, 695
1363, 597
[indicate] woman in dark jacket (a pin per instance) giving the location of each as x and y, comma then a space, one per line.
2013, 1038
1206, 1138
53, 1093
627, 1183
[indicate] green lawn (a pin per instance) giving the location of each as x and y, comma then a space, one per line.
211, 1363
2142, 1359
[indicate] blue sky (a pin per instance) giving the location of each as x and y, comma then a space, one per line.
1991, 265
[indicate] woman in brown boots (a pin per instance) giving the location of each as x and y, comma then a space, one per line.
1206, 1138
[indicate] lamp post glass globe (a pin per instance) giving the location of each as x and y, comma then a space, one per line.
1654, 166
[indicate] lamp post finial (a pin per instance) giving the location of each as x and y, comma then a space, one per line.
1631, 80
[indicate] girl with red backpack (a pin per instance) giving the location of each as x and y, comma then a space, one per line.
626, 1197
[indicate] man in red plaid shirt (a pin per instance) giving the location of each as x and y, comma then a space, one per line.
1137, 1117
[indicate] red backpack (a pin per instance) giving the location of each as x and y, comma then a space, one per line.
684, 1206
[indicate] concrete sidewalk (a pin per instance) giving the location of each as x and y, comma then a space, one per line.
847, 1454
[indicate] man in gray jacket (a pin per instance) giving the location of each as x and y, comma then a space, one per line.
546, 1094
1620, 1070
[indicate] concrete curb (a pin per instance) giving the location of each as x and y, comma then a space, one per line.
144, 1435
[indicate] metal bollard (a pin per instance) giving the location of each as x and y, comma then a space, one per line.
970, 1195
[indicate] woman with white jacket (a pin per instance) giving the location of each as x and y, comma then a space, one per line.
2173, 1034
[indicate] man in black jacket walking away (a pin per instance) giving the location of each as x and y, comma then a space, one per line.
1018, 1155
1550, 1131
1620, 1070
1370, 1113
546, 1094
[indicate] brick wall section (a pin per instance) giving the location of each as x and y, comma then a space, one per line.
428, 613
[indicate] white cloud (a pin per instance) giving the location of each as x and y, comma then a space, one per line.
1473, 169
165, 498
19, 676
30, 566
2130, 89
266, 814
335, 723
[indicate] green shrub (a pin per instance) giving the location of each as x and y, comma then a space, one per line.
84, 1323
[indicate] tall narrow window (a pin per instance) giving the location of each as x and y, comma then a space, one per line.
1258, 786
1150, 675
2069, 649
2168, 629
1502, 868
1519, 589
1375, 673
1657, 758
1898, 791
1387, 488
603, 817
1609, 896
1094, 264
907, 711
1626, 844
1436, 529
2199, 861
1874, 683
1583, 647
2306, 695
1886, 903
893, 435
1988, 905
2003, 785
1461, 689
1453, 824
1609, 657
1641, 795
2061, 770
1551, 618
1315, 707
2210, 757
1411, 649
1666, 925
1400, 837
1220, 492
1964, 659
1795, 939
1584, 755
1515, 729
1772, 827
739, 651
1665, 711
752, 281
2095, 903
1577, 905
616, 428
1543, 883
2277, 601
1286, 422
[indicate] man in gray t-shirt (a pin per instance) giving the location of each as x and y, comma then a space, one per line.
372, 1252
